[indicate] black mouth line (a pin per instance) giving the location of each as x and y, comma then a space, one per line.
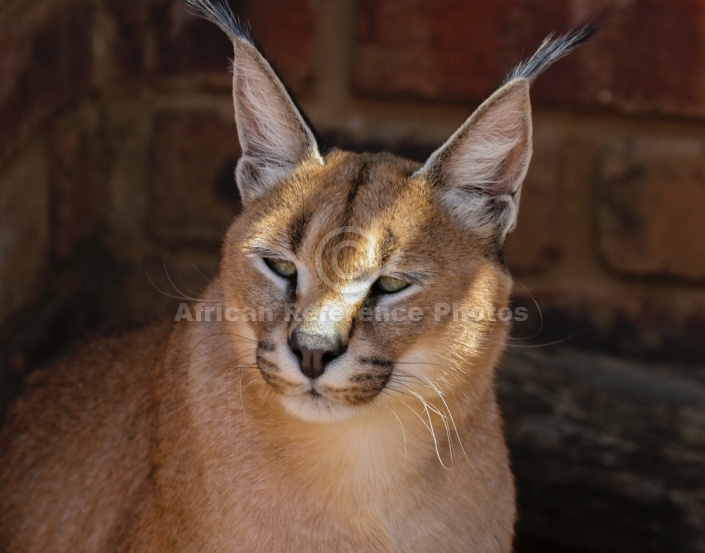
364, 387
271, 373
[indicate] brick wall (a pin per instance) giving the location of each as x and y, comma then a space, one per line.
117, 146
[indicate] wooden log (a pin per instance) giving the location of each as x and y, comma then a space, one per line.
609, 455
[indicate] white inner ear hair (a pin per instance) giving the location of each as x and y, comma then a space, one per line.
273, 135
483, 165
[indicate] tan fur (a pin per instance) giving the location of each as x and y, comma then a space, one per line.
172, 441
207, 436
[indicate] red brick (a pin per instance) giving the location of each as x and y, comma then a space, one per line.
78, 183
536, 242
649, 58
649, 216
46, 63
284, 29
659, 57
195, 195
448, 49
444, 49
569, 81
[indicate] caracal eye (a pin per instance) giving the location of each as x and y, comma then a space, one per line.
390, 285
281, 267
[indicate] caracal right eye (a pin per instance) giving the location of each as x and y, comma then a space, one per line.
281, 267
391, 285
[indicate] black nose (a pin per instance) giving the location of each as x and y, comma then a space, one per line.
315, 351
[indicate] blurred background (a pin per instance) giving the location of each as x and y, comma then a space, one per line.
117, 147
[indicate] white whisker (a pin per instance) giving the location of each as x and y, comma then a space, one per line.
450, 415
430, 428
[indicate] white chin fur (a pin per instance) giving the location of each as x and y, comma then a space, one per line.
318, 409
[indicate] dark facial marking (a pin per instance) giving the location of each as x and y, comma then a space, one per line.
357, 182
377, 361
265, 345
353, 327
367, 386
276, 382
389, 244
298, 231
371, 383
267, 365
291, 289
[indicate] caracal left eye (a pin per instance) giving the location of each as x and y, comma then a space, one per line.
281, 267
391, 285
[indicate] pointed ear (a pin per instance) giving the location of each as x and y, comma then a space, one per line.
479, 170
274, 135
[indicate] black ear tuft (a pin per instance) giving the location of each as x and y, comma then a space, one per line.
219, 12
551, 50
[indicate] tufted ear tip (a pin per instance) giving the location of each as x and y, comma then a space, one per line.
274, 135
479, 170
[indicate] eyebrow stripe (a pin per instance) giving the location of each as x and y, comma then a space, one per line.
298, 231
357, 182
389, 244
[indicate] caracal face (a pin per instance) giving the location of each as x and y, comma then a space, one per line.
372, 268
